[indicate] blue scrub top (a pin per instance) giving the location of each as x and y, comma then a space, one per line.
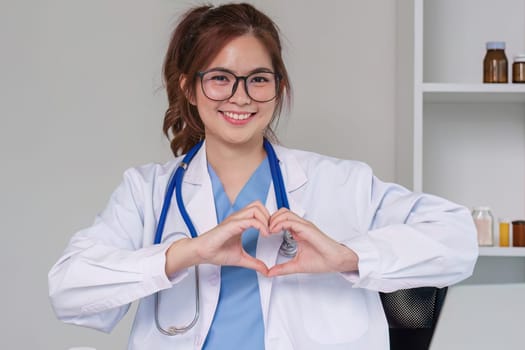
238, 321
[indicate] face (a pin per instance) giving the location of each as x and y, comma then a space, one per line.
238, 120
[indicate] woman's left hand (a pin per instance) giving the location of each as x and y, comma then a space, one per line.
316, 252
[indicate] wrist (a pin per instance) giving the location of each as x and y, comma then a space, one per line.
349, 260
180, 256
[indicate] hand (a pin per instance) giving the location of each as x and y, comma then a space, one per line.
316, 252
223, 244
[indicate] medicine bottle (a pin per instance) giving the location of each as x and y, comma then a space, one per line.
484, 225
518, 69
504, 232
495, 65
518, 233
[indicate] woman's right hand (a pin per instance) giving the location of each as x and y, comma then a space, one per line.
223, 244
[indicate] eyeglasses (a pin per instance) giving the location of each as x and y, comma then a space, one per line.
220, 84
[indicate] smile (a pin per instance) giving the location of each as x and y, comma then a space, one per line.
237, 116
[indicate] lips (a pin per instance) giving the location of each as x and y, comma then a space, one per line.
237, 116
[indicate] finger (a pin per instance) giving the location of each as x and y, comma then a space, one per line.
280, 213
254, 264
254, 210
286, 268
304, 231
283, 216
237, 227
288, 223
232, 229
259, 205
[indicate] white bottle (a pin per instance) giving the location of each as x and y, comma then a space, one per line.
485, 225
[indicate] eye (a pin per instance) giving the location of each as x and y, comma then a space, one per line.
218, 77
259, 79
262, 78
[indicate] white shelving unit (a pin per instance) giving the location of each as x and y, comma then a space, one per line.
502, 251
473, 93
457, 137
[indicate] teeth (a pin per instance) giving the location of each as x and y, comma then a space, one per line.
237, 116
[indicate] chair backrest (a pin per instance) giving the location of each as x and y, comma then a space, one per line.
412, 315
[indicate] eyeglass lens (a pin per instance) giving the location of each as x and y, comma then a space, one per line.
219, 85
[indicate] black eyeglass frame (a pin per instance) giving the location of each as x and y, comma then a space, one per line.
236, 84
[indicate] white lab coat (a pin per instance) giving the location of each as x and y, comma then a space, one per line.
403, 240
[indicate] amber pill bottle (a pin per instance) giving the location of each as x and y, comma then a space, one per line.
495, 64
518, 70
518, 233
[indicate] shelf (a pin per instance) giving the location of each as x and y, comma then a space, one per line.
456, 136
502, 251
476, 93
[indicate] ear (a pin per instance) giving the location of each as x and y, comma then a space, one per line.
182, 84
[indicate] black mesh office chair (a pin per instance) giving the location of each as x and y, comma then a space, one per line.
412, 315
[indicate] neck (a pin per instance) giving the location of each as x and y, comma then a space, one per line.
234, 164
234, 157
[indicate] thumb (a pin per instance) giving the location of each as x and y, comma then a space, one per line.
286, 268
255, 264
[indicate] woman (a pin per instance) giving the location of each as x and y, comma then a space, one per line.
354, 235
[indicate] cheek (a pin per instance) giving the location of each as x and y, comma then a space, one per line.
270, 108
199, 98
207, 108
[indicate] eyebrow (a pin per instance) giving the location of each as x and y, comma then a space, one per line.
256, 70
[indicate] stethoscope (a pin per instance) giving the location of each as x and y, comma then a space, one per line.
288, 246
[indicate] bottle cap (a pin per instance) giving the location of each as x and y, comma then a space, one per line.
495, 45
482, 208
519, 58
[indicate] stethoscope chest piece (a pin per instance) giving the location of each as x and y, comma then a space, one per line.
288, 247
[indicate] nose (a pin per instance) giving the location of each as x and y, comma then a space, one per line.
240, 94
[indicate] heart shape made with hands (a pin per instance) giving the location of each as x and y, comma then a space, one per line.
316, 251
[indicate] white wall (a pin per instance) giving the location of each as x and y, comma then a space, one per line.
81, 100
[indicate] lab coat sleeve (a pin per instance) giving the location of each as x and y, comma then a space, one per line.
105, 267
410, 239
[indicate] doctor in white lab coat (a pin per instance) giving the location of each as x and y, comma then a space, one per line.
356, 235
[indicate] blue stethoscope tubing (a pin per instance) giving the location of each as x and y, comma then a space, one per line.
288, 247
175, 184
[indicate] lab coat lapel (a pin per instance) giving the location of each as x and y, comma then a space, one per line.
294, 178
198, 193
268, 248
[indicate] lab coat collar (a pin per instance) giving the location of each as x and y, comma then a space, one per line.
197, 173
293, 174
198, 195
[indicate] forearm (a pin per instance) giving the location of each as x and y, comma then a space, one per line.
414, 255
180, 255
92, 278
348, 260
